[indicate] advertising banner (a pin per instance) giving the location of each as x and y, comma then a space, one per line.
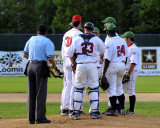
13, 63
149, 61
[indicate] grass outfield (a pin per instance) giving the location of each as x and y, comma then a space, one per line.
18, 110
148, 84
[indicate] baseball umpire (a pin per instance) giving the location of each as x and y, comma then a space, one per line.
38, 50
132, 64
86, 46
114, 67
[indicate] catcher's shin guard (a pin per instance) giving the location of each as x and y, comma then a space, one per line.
94, 99
77, 98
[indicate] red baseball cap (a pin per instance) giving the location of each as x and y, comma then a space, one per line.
76, 18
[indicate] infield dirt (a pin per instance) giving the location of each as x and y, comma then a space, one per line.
56, 97
128, 121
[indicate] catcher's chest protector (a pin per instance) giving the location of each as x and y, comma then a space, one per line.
86, 39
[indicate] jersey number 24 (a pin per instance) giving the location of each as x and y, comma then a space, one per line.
120, 50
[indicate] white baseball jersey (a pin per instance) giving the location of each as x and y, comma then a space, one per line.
94, 47
67, 98
67, 40
133, 56
108, 38
116, 50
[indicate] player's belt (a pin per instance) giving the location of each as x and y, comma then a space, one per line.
86, 63
35, 61
118, 62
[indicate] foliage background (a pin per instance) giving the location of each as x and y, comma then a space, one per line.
23, 16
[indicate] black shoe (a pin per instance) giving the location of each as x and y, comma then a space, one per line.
70, 113
96, 115
75, 115
129, 111
112, 113
43, 121
64, 112
81, 113
108, 110
32, 122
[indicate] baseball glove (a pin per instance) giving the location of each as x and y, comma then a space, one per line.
56, 72
126, 78
103, 83
74, 67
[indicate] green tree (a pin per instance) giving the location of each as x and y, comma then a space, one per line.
46, 11
150, 17
93, 11
130, 14
18, 16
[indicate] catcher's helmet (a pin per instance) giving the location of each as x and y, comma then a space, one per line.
89, 25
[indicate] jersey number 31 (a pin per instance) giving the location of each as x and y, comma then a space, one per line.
120, 50
69, 41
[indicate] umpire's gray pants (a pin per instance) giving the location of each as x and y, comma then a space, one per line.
37, 92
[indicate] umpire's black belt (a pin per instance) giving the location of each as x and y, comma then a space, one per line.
35, 61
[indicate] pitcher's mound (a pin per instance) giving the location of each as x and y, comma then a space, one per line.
128, 121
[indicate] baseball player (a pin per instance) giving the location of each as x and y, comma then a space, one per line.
114, 67
86, 46
96, 31
110, 20
68, 37
132, 65
99, 63
100, 56
70, 26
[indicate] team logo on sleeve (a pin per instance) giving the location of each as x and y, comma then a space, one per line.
149, 59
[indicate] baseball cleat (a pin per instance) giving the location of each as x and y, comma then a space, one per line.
112, 113
129, 111
70, 113
123, 112
75, 116
96, 115
108, 110
81, 113
64, 112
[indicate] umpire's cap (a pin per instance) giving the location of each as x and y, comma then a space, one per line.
109, 19
110, 27
128, 34
89, 25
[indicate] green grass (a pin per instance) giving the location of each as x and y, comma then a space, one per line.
20, 85
147, 84
18, 110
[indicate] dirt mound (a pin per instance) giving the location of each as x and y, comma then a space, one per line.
128, 121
